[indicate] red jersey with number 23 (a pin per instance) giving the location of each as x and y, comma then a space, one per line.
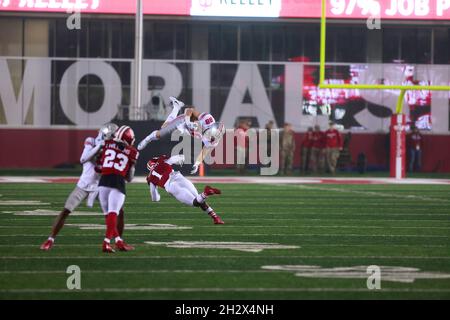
117, 158
160, 172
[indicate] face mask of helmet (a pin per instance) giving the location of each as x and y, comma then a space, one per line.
214, 133
108, 130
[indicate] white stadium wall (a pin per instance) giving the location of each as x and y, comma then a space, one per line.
46, 92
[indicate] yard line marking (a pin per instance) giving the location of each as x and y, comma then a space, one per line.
369, 193
22, 203
138, 271
96, 227
239, 246
221, 257
34, 245
390, 273
40, 212
440, 221
298, 214
343, 235
262, 290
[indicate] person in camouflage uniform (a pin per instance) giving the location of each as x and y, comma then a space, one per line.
287, 149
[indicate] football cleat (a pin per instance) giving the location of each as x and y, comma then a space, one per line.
216, 218
122, 246
209, 191
176, 103
47, 245
107, 247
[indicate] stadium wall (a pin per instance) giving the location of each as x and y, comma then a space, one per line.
47, 148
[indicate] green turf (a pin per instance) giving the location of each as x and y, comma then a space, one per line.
334, 225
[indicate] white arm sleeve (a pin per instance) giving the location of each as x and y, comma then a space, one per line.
154, 193
177, 159
88, 153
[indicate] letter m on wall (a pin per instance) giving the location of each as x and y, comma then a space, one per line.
25, 92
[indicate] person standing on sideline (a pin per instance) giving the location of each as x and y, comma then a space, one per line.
317, 150
269, 127
241, 144
333, 147
415, 150
306, 150
287, 149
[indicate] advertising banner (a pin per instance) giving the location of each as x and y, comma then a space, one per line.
342, 9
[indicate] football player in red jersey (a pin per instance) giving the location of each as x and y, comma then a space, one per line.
162, 175
118, 165
87, 186
200, 125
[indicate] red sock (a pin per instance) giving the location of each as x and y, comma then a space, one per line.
111, 225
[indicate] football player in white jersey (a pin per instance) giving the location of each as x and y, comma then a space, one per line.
199, 125
87, 186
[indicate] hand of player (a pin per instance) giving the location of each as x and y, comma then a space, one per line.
99, 140
100, 143
181, 160
195, 168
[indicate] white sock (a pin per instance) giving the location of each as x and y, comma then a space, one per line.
173, 114
107, 240
117, 239
201, 198
51, 239
209, 210
152, 136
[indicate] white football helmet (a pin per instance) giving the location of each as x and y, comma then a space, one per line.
214, 132
107, 131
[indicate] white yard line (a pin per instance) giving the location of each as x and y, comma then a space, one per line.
138, 271
219, 257
34, 245
369, 193
249, 234
268, 227
440, 221
262, 290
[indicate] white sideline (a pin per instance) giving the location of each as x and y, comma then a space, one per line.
248, 180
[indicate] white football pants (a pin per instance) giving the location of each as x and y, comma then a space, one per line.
182, 189
111, 200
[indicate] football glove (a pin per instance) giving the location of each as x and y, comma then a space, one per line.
195, 167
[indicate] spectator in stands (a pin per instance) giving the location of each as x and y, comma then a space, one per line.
306, 147
415, 150
287, 149
269, 127
318, 150
333, 147
241, 144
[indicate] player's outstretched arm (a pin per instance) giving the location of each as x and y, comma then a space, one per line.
201, 156
130, 174
154, 193
176, 159
90, 151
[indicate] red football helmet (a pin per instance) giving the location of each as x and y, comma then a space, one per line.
151, 163
126, 135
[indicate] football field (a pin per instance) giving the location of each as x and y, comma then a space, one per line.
280, 241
